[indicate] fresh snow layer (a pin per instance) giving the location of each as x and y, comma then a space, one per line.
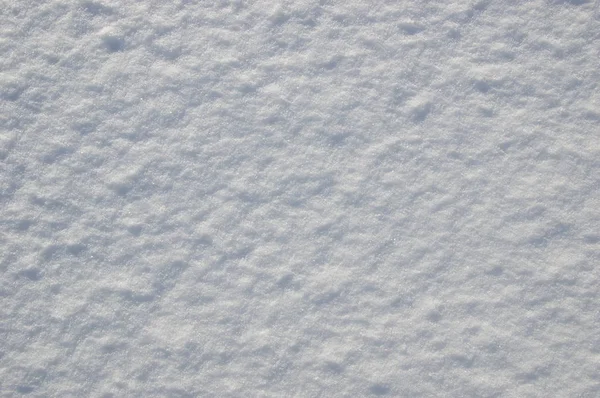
310, 199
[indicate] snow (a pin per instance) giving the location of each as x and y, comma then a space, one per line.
333, 198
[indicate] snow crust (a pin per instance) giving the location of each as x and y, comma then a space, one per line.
308, 198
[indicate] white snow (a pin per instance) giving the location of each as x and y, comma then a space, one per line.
276, 198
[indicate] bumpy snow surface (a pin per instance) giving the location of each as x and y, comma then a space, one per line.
309, 199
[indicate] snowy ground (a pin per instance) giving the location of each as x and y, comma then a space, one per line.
311, 199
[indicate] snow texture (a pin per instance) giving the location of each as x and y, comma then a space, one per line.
309, 198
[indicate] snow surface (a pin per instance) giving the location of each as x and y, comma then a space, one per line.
312, 199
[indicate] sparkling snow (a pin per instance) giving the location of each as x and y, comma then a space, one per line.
311, 199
